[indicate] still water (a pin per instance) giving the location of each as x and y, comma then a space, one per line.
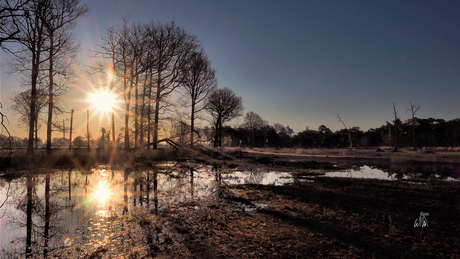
411, 172
78, 214
71, 213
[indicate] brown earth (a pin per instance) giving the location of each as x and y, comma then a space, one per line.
325, 218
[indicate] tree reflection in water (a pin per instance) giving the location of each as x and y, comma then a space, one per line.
77, 213
33, 211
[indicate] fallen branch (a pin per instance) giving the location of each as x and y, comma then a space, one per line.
167, 140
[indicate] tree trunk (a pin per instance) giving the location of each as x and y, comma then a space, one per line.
413, 132
50, 101
192, 123
33, 99
111, 88
127, 145
136, 109
216, 135
87, 127
70, 138
36, 52
396, 138
142, 114
113, 127
220, 133
36, 133
149, 109
128, 86
157, 108
349, 139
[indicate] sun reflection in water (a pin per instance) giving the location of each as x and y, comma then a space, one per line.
102, 192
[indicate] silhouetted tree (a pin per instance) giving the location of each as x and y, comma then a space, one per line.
396, 122
172, 45
223, 106
109, 48
21, 106
198, 79
279, 128
78, 141
413, 108
253, 123
31, 37
59, 18
347, 129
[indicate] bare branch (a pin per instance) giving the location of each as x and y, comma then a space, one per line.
9, 135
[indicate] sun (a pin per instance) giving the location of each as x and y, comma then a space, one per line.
103, 100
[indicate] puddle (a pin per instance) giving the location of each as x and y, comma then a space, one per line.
257, 177
411, 174
364, 172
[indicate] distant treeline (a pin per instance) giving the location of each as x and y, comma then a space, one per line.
427, 132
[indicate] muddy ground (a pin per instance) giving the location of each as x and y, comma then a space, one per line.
324, 218
313, 217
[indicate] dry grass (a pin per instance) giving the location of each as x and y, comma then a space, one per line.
84, 159
439, 154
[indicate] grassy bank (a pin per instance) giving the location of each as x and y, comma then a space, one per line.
447, 155
86, 159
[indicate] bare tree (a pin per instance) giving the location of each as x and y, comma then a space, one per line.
413, 108
32, 39
171, 45
129, 54
110, 46
124, 45
348, 131
36, 28
223, 105
199, 80
21, 106
396, 122
59, 18
252, 123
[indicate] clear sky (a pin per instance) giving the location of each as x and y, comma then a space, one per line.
300, 63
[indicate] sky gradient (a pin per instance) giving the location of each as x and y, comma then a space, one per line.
300, 63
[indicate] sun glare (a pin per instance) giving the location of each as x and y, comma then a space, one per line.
102, 192
110, 75
103, 101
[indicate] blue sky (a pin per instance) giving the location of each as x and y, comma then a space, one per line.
300, 63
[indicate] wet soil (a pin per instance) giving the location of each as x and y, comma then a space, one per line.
329, 218
325, 218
